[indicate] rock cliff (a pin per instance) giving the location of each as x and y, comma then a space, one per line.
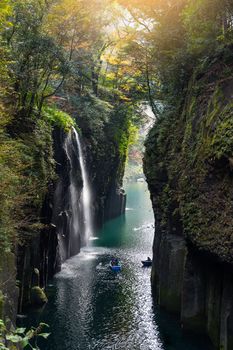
188, 165
62, 233
9, 291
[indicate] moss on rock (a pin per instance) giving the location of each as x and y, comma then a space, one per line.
188, 163
38, 296
1, 304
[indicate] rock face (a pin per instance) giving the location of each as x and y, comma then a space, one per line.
169, 257
189, 172
196, 287
62, 234
115, 203
67, 217
9, 291
106, 170
42, 251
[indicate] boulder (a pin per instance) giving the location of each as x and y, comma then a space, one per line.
38, 296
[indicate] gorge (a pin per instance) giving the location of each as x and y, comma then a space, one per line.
76, 83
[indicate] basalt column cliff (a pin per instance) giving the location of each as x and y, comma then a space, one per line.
189, 169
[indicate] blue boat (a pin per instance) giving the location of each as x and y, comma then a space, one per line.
115, 265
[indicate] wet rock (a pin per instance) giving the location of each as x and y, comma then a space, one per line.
169, 263
38, 296
115, 204
193, 296
195, 287
226, 312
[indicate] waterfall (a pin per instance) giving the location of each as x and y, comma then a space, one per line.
86, 192
72, 198
72, 235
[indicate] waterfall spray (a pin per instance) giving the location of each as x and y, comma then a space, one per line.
73, 213
86, 192
72, 200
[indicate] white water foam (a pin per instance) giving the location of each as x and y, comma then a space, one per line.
86, 192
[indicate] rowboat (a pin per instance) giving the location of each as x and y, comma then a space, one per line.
146, 263
114, 266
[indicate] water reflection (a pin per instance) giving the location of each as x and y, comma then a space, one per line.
92, 307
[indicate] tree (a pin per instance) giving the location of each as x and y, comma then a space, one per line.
80, 31
40, 67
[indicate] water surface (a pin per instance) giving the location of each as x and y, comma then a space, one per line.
91, 307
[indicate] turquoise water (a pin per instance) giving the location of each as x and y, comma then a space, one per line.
91, 307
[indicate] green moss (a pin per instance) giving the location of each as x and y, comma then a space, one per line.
1, 304
214, 109
221, 144
59, 118
188, 164
38, 296
27, 167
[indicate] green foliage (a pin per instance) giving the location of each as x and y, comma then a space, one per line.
20, 337
222, 142
202, 25
27, 167
101, 77
121, 129
171, 38
37, 65
58, 118
10, 192
31, 68
188, 161
5, 13
92, 113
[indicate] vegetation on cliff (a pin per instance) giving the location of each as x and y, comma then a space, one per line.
189, 150
63, 64
57, 70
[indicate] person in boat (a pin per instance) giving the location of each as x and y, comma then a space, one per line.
115, 262
148, 258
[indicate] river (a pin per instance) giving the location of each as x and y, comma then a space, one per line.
91, 307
